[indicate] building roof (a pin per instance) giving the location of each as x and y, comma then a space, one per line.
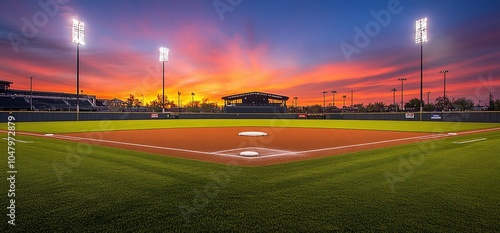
6, 82
240, 96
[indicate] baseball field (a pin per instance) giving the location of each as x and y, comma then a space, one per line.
303, 176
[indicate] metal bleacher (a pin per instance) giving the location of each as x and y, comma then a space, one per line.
50, 104
13, 103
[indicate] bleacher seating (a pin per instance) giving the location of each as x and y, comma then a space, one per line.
48, 104
8, 102
84, 105
11, 99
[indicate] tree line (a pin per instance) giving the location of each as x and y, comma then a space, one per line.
134, 104
413, 105
440, 104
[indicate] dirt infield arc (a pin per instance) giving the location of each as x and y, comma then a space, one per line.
223, 145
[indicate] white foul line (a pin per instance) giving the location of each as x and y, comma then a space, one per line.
475, 140
17, 140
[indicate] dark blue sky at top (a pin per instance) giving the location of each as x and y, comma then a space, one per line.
296, 37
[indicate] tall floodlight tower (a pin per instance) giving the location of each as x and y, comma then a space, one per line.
394, 97
163, 59
444, 85
402, 91
31, 93
78, 36
420, 38
324, 98
333, 98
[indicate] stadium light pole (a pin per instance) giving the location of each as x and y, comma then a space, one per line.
31, 93
394, 97
444, 84
324, 99
179, 101
420, 38
333, 98
344, 96
402, 91
352, 99
428, 97
163, 59
78, 36
192, 99
142, 104
296, 103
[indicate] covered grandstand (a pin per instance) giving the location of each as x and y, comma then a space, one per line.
255, 102
11, 99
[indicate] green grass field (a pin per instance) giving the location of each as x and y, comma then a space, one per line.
90, 126
426, 186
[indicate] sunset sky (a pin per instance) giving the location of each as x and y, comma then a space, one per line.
222, 47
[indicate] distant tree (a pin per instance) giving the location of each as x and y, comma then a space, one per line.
496, 105
132, 102
413, 105
392, 107
360, 107
156, 105
492, 103
463, 104
314, 108
193, 106
443, 104
380, 106
205, 106
370, 107
429, 107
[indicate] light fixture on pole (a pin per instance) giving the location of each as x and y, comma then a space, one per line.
420, 38
394, 98
444, 86
192, 99
344, 96
333, 98
428, 97
78, 35
296, 101
402, 92
324, 99
31, 93
163, 59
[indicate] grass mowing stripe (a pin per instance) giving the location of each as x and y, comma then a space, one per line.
453, 188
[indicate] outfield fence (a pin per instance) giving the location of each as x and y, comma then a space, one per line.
29, 116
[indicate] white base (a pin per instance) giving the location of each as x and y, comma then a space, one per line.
249, 153
252, 134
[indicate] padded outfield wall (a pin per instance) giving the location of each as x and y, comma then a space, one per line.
27, 116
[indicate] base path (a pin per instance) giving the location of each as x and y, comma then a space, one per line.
224, 145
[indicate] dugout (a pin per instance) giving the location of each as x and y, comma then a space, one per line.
255, 102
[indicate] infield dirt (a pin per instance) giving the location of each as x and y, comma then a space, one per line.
223, 145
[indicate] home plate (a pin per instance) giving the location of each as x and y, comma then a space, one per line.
252, 134
49, 135
452, 134
249, 153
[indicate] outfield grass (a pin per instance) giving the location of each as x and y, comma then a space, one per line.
89, 126
427, 186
